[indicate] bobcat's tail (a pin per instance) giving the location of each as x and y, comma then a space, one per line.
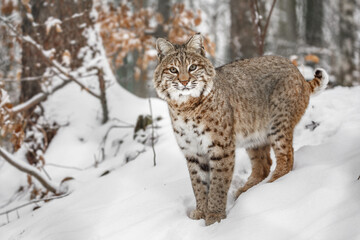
320, 81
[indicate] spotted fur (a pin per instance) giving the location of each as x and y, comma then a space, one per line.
253, 103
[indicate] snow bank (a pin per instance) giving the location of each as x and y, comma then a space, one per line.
319, 199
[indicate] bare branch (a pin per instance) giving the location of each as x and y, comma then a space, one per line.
268, 21
119, 120
59, 68
33, 202
256, 24
260, 31
43, 53
29, 103
37, 78
38, 98
29, 170
103, 100
103, 141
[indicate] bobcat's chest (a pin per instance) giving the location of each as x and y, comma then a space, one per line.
191, 137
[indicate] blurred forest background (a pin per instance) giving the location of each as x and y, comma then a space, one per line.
47, 44
325, 33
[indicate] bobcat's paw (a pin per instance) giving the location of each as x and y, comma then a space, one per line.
196, 214
211, 218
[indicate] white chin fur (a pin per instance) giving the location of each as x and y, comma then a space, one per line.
184, 95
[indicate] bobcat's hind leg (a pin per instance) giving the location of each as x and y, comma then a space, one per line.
286, 113
261, 163
284, 152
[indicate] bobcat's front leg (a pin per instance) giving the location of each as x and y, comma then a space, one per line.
222, 160
199, 175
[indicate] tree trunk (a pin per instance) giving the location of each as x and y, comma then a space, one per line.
31, 61
313, 22
287, 28
347, 40
126, 75
241, 31
68, 37
52, 24
164, 8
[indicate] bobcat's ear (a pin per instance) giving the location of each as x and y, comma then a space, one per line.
195, 43
163, 47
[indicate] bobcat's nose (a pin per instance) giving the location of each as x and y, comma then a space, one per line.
184, 83
184, 78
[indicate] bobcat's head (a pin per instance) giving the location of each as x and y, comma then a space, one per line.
183, 70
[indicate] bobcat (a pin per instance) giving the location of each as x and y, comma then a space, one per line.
253, 103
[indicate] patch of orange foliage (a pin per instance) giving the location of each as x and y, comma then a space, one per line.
126, 30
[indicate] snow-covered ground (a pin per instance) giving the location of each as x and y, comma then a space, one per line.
319, 199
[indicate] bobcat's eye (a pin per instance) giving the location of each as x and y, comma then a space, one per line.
173, 70
192, 67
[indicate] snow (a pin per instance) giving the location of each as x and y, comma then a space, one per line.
4, 98
319, 199
52, 22
307, 72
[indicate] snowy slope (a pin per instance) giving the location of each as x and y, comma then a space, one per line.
319, 199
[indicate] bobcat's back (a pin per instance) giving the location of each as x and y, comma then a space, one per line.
257, 77
261, 91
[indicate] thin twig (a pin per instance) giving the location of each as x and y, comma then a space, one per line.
34, 202
268, 21
108, 131
12, 198
255, 14
152, 132
63, 166
103, 141
122, 121
46, 173
260, 31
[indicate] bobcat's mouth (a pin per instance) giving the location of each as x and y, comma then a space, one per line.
185, 89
